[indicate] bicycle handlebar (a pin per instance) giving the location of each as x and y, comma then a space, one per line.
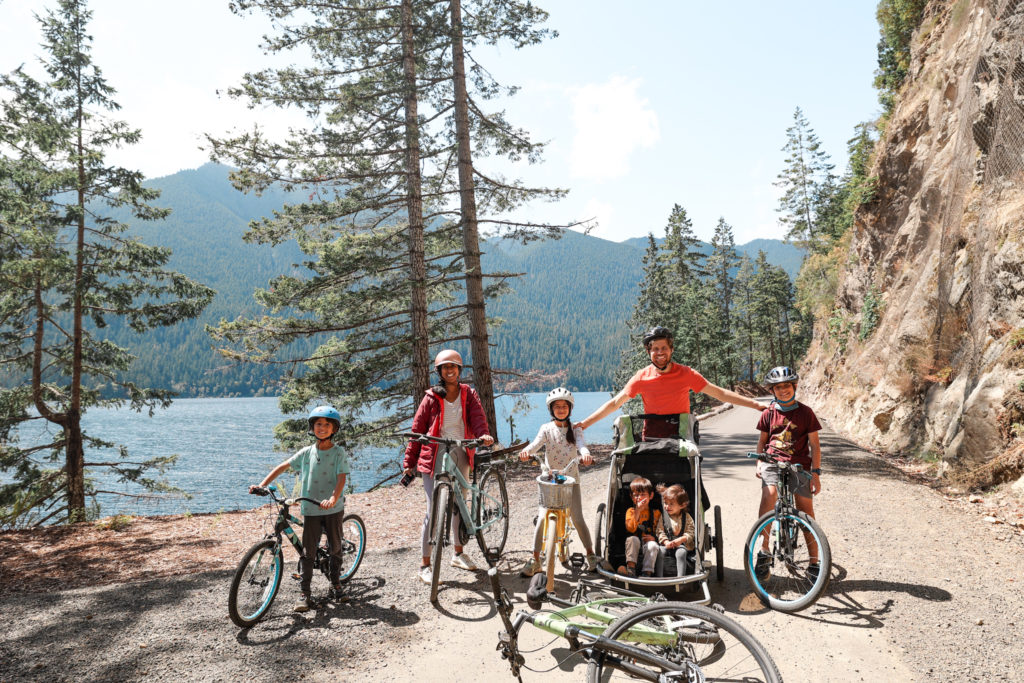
427, 438
272, 492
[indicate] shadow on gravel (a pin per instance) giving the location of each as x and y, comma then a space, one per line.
839, 605
366, 606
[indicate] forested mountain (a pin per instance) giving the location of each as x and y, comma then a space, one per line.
567, 312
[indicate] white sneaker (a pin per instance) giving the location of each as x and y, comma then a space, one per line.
425, 574
462, 561
531, 567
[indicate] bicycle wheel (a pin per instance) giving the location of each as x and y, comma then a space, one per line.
787, 586
492, 511
719, 546
255, 583
550, 549
685, 642
353, 544
441, 515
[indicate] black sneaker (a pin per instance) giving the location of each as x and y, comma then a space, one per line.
305, 603
813, 570
338, 594
762, 566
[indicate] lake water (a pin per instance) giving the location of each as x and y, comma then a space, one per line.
225, 444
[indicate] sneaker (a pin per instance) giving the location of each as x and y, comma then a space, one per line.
813, 570
592, 562
338, 593
647, 573
305, 603
462, 561
531, 567
425, 574
627, 571
762, 565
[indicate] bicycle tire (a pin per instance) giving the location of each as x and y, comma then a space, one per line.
550, 549
710, 646
599, 530
440, 514
255, 578
787, 587
719, 545
352, 549
495, 535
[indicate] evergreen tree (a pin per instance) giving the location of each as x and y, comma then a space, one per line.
806, 174
897, 21
381, 179
744, 288
651, 309
720, 266
67, 270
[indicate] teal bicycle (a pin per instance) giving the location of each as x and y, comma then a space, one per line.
629, 635
259, 573
486, 517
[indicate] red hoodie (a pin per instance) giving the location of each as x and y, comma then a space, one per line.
428, 420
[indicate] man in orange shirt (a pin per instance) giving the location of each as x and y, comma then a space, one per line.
664, 386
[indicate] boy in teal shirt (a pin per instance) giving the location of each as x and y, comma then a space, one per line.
322, 468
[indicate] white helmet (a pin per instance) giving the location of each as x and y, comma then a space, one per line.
560, 394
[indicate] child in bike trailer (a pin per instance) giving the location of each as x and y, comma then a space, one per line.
561, 443
789, 430
322, 469
676, 532
450, 410
641, 521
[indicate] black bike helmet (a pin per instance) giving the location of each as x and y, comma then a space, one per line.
781, 374
657, 332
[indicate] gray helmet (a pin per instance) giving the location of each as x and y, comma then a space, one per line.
560, 394
781, 374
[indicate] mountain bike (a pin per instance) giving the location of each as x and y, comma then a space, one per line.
628, 633
487, 515
795, 543
259, 573
555, 495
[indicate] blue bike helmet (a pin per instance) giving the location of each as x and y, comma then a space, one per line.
326, 412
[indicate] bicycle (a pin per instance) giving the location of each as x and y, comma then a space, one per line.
555, 494
790, 584
258, 575
486, 517
646, 638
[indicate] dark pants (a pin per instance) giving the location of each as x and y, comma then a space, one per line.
312, 527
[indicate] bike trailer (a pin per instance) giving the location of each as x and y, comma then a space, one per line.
663, 460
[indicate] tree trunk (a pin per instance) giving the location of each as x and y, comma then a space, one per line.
414, 204
74, 450
470, 236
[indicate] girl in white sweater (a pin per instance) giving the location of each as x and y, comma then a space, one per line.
561, 444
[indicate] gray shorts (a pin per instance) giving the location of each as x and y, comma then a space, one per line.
770, 477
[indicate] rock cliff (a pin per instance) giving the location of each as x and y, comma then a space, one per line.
925, 351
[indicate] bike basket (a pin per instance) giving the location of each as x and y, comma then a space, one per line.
555, 496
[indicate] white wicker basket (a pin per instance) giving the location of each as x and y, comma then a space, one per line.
555, 496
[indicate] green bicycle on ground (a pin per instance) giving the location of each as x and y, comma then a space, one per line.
628, 634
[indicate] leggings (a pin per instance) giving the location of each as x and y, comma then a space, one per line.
575, 512
462, 462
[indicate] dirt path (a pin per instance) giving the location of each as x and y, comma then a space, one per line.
921, 591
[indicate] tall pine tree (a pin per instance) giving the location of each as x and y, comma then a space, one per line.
68, 269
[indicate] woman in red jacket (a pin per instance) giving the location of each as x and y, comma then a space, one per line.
450, 410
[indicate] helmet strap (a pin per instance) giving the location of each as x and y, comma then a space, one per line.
786, 406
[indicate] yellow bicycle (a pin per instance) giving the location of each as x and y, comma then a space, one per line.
555, 495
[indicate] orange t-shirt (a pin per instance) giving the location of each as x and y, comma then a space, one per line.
665, 393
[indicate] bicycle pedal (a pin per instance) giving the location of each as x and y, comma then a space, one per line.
577, 560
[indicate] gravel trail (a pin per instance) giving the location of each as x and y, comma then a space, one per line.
921, 590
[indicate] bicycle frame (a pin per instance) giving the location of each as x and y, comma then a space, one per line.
477, 497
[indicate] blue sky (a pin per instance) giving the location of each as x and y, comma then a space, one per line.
643, 104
